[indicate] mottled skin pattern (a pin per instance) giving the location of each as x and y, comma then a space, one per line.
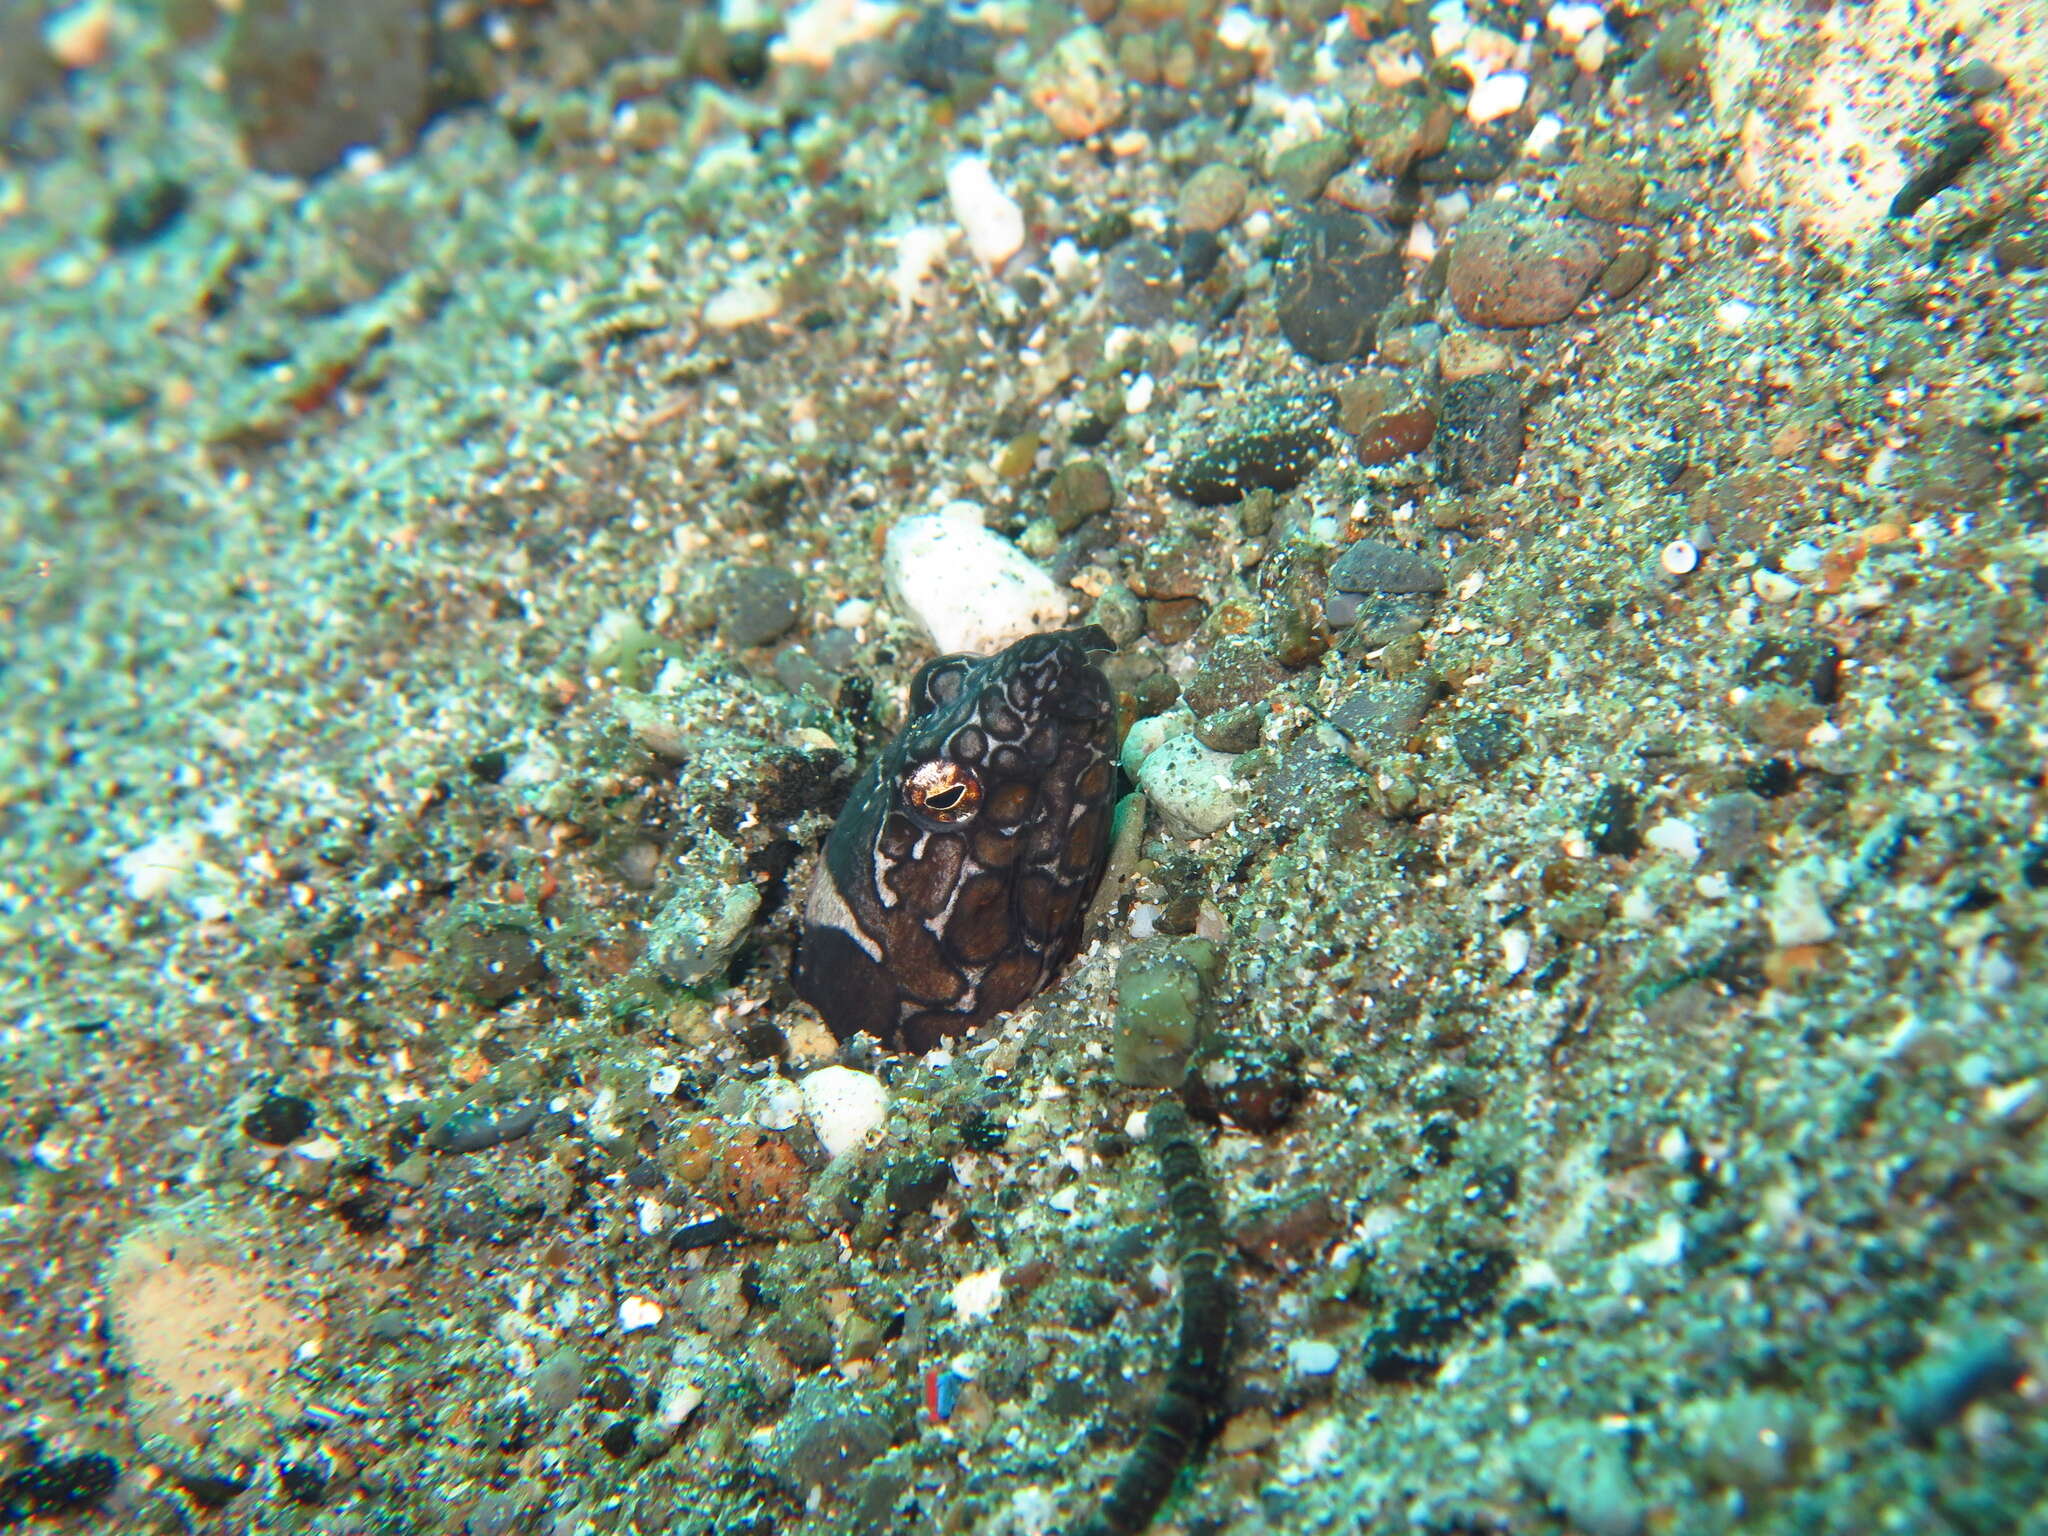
957, 881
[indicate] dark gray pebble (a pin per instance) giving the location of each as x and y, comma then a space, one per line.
1488, 742
280, 1120
1200, 250
1371, 565
1942, 1387
1138, 282
824, 1438
308, 82
1479, 432
480, 1127
1377, 715
757, 603
1270, 444
1611, 823
1337, 274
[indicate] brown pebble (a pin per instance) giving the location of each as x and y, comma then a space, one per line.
1511, 267
1212, 198
1623, 275
1600, 189
1172, 620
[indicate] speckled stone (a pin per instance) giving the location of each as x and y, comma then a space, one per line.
1489, 741
1373, 565
1272, 443
1303, 170
1479, 432
1394, 131
1337, 274
1512, 267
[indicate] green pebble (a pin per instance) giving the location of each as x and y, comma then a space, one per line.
1163, 1009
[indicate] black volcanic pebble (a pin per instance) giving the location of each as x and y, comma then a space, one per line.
280, 1120
1271, 444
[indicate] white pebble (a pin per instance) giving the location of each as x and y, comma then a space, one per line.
741, 303
637, 1312
918, 251
968, 588
779, 1104
1497, 96
1677, 837
1193, 787
1573, 19
845, 1106
989, 216
160, 865
977, 1295
1150, 734
1795, 909
1313, 1357
1514, 950
1681, 557
1773, 587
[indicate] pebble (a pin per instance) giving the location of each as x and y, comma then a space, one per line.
1754, 1441
1303, 170
1601, 189
1498, 95
1337, 273
702, 925
1948, 1381
745, 302
1212, 198
1138, 282
1479, 432
1488, 742
1163, 1009
1511, 267
1372, 565
1271, 443
1199, 252
308, 83
1394, 132
1078, 86
845, 1106
825, 1437
986, 214
1313, 1357
757, 604
1378, 716
966, 587
1195, 789
1681, 557
1148, 735
1236, 670
1581, 1470
1795, 909
279, 1120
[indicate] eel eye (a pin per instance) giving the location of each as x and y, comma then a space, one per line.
943, 791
